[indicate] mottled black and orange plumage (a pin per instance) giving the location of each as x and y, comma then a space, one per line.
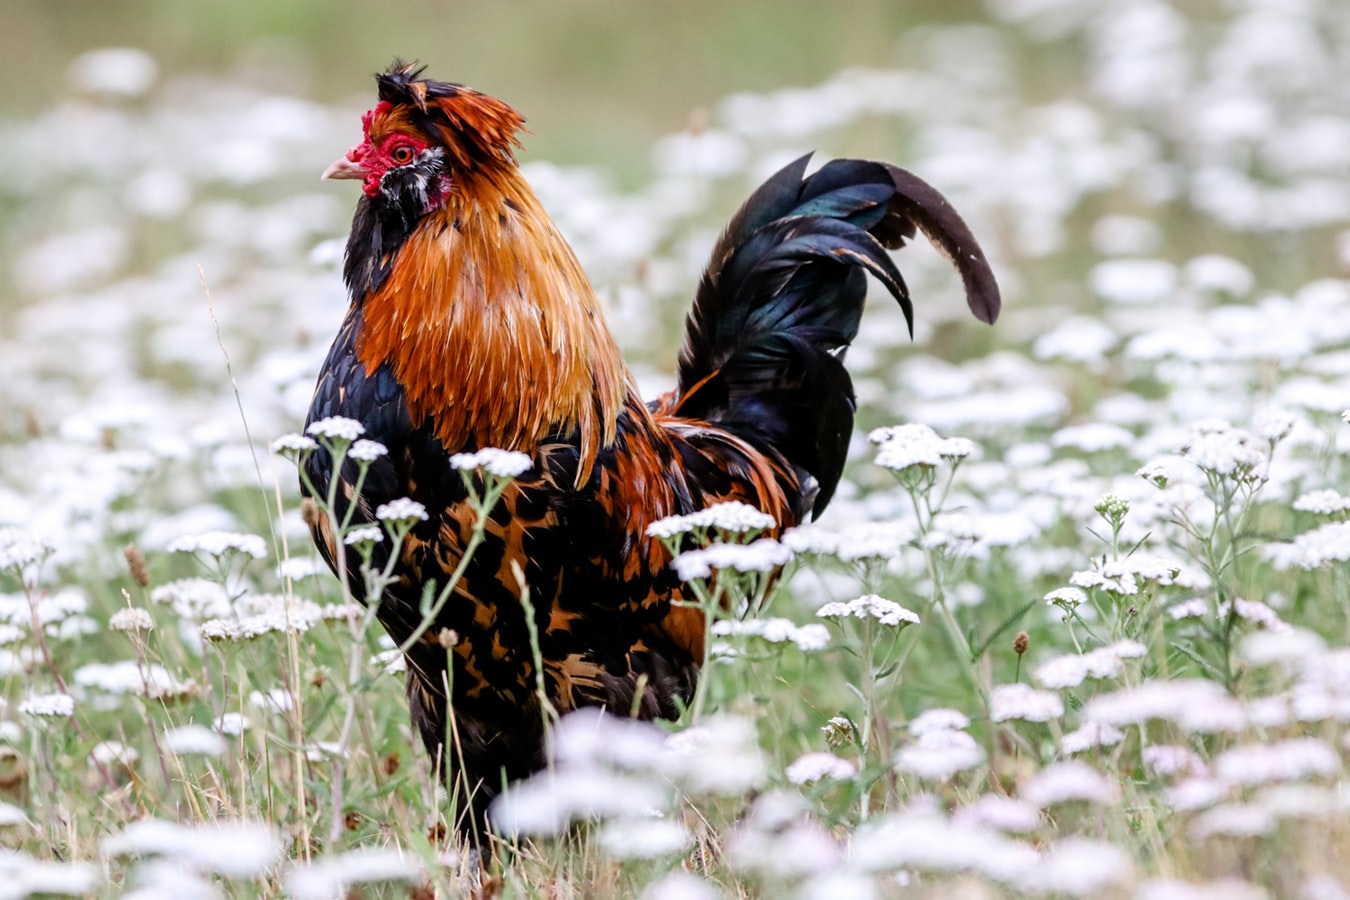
472, 324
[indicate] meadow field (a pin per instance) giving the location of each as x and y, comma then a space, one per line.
1077, 623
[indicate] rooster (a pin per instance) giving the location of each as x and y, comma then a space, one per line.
472, 325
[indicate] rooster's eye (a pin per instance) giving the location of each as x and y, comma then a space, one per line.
402, 154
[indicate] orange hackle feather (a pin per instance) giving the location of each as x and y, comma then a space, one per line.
487, 317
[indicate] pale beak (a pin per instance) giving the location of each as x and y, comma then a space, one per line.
345, 168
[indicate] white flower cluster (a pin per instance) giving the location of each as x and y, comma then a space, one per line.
763, 555
294, 443
1021, 701
220, 543
775, 630
870, 606
231, 848
939, 753
902, 447
1326, 502
811, 768
1323, 546
1071, 669
341, 874
1124, 576
731, 516
403, 509
1069, 781
1216, 446
266, 614
1090, 737
367, 451
48, 705
131, 619
337, 428
149, 680
19, 548
363, 534
858, 541
194, 599
1193, 704
502, 463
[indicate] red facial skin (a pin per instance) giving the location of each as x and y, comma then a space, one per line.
395, 149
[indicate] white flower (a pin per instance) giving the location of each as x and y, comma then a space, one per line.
1194, 704
1093, 437
1064, 782
193, 739
1256, 612
401, 510
1091, 736
763, 555
1288, 760
108, 752
194, 599
720, 757
363, 534
775, 631
930, 843
1069, 597
234, 849
1273, 424
1195, 608
1104, 662
367, 450
220, 543
1173, 759
1020, 701
870, 606
232, 724
812, 767
906, 446
1325, 502
939, 754
294, 444
1003, 813
731, 516
131, 618
1220, 448
131, 677
1079, 867
862, 540
1234, 820
649, 838
325, 877
938, 719
48, 705
336, 428
502, 463
1329, 543
19, 548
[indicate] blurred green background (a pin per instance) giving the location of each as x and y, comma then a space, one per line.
598, 80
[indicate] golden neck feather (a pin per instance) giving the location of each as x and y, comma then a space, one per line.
492, 327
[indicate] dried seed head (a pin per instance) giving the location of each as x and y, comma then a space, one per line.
1020, 642
447, 638
136, 563
310, 512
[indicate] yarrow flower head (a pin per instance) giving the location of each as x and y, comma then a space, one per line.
813, 767
294, 445
401, 510
494, 461
1020, 701
336, 428
731, 516
366, 450
20, 549
1219, 448
220, 543
902, 447
132, 618
1325, 502
363, 534
763, 555
870, 606
53, 706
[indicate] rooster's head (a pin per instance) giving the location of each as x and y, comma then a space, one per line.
424, 134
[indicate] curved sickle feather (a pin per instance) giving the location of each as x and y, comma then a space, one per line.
924, 206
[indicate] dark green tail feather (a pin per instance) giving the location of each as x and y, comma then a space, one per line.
782, 298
